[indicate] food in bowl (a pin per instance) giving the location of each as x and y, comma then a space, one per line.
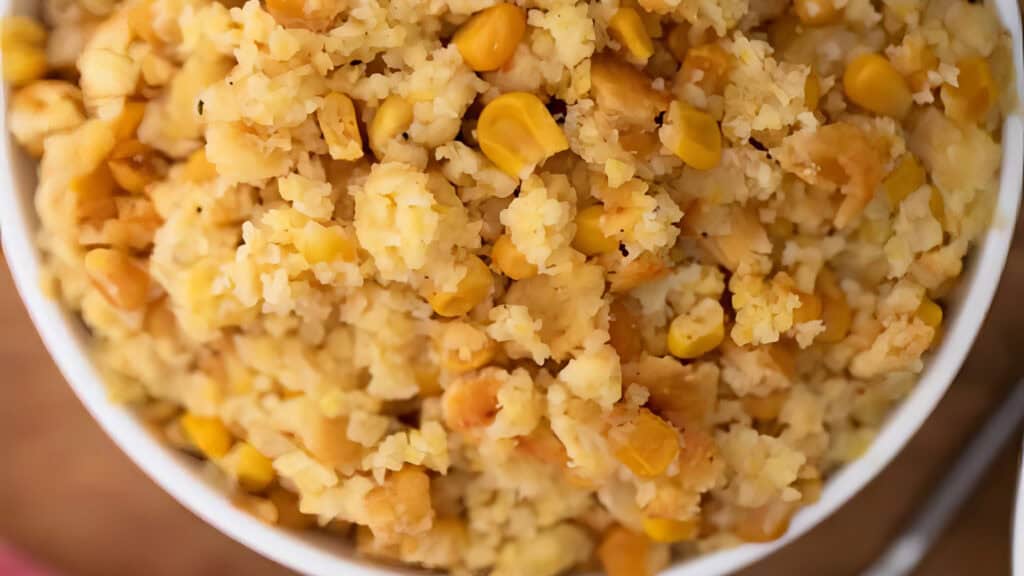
503, 288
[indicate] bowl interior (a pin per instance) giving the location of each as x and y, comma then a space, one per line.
180, 475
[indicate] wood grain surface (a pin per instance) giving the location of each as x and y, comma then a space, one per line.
71, 499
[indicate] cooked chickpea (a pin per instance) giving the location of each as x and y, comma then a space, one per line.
624, 91
43, 108
393, 117
337, 119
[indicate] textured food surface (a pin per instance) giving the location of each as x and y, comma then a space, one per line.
512, 288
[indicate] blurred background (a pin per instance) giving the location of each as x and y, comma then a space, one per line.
72, 504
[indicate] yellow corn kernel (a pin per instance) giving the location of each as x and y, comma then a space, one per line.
590, 238
209, 435
20, 31
765, 523
452, 361
510, 260
489, 39
835, 310
318, 243
337, 119
764, 408
198, 168
287, 505
132, 164
253, 470
472, 289
119, 279
646, 444
906, 177
937, 206
23, 48
517, 132
24, 64
930, 312
693, 135
812, 91
668, 530
300, 14
698, 331
816, 12
874, 231
127, 122
628, 28
809, 310
392, 118
623, 552
93, 194
707, 66
872, 83
975, 94
679, 41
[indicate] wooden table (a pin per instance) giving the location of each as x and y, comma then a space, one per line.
69, 497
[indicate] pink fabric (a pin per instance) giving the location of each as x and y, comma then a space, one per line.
14, 563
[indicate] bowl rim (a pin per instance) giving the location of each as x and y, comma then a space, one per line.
186, 482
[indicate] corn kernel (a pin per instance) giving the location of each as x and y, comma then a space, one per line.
393, 117
624, 553
765, 523
294, 13
707, 66
975, 94
816, 12
287, 505
628, 28
590, 239
907, 177
874, 231
472, 290
679, 41
517, 132
23, 64
22, 45
835, 311
764, 408
668, 530
453, 362
646, 444
119, 279
133, 165
198, 168
471, 400
698, 331
937, 206
809, 310
93, 194
693, 135
127, 122
929, 312
253, 470
401, 505
489, 39
318, 243
337, 119
874, 84
625, 92
510, 260
209, 435
812, 91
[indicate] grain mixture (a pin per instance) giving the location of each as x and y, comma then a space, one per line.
513, 288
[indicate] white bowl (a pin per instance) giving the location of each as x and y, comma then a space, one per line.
318, 555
